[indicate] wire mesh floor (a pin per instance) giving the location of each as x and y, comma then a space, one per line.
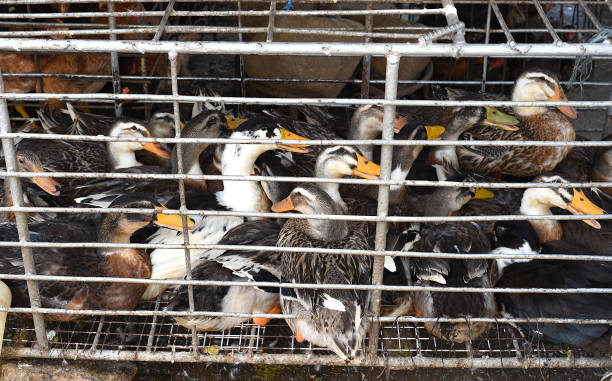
502, 346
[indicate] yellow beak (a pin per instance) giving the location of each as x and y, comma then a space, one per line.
288, 135
498, 119
568, 111
233, 123
283, 205
580, 204
366, 169
172, 221
48, 184
434, 131
482, 193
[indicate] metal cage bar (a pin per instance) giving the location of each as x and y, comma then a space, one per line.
161, 340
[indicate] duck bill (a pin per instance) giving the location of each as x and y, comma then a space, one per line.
288, 135
581, 205
48, 184
157, 150
233, 123
398, 124
283, 205
482, 193
501, 120
433, 132
568, 111
172, 221
366, 168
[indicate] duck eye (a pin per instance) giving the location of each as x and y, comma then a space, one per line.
20, 161
134, 128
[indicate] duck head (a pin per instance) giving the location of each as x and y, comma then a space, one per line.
28, 161
310, 199
161, 125
540, 200
119, 227
121, 154
539, 86
447, 200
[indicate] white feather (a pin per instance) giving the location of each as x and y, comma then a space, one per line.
332, 303
390, 263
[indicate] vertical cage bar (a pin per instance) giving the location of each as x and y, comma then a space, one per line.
114, 57
241, 57
386, 153
21, 220
450, 12
270, 34
367, 60
172, 56
485, 59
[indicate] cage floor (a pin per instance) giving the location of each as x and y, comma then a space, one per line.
162, 335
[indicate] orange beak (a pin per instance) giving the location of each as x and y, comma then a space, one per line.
233, 123
288, 135
566, 110
283, 205
172, 221
156, 149
366, 169
48, 184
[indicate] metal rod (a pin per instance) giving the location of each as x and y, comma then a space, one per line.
164, 20
367, 60
485, 59
270, 29
500, 18
451, 19
241, 57
590, 15
172, 56
21, 220
436, 2
302, 48
307, 359
547, 23
386, 153
114, 58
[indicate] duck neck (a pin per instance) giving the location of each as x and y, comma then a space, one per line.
364, 129
191, 156
324, 230
111, 231
121, 155
243, 196
332, 189
547, 230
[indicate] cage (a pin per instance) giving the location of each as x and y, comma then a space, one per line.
154, 56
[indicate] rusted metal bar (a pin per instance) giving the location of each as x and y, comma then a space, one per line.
386, 152
164, 20
172, 56
21, 220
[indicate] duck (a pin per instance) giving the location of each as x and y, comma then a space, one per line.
519, 237
116, 227
160, 125
333, 162
589, 233
536, 124
457, 120
100, 192
86, 156
243, 196
28, 161
602, 166
238, 266
335, 319
450, 237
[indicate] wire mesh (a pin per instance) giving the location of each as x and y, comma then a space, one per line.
148, 44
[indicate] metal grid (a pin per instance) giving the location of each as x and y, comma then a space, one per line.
149, 333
